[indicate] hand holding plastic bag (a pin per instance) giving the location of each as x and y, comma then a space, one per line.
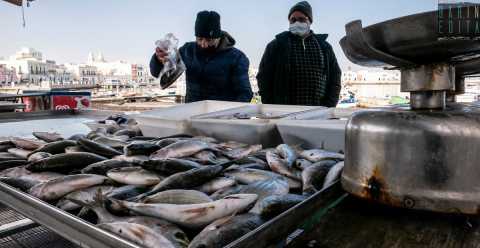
172, 61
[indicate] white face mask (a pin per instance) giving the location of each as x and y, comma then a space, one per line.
299, 28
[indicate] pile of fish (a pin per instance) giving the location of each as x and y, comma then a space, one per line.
177, 191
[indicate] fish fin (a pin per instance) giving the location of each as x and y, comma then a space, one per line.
225, 220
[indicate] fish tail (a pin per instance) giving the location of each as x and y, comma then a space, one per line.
139, 198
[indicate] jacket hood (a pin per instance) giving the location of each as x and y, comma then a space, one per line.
226, 42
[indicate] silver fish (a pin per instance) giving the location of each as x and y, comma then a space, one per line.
19, 183
116, 142
5, 147
333, 174
67, 205
76, 137
170, 166
88, 196
23, 173
192, 215
139, 234
131, 159
226, 230
169, 230
126, 192
140, 148
315, 155
251, 160
273, 186
287, 153
72, 149
249, 166
249, 175
65, 162
302, 164
222, 193
59, 187
167, 141
216, 184
11, 163
231, 145
242, 151
134, 176
314, 176
20, 153
281, 167
274, 205
205, 139
27, 144
205, 157
187, 179
38, 156
183, 148
47, 137
56, 147
102, 167
6, 156
178, 196
97, 148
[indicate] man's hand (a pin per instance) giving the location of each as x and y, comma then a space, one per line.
161, 55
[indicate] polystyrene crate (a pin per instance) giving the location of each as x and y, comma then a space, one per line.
176, 119
320, 128
222, 124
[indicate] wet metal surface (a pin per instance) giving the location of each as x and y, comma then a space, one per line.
358, 223
415, 159
406, 41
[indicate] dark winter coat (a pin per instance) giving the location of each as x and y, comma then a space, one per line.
275, 72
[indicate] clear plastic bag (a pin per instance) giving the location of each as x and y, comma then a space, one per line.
174, 62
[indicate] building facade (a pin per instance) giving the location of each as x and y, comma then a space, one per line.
372, 84
8, 76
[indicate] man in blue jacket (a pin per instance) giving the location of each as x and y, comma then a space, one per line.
215, 70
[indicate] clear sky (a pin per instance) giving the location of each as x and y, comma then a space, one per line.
66, 30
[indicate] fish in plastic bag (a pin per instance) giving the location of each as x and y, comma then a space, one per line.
174, 66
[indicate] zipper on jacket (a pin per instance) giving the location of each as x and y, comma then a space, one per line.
303, 43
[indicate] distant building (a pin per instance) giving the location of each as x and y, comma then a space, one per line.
140, 74
82, 73
29, 66
372, 84
8, 76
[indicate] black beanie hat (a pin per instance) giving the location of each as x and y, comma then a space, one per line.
207, 25
303, 7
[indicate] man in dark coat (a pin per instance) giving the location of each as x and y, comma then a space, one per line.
215, 70
299, 67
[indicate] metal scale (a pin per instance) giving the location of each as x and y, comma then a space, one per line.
426, 156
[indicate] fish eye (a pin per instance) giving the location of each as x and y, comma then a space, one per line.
180, 235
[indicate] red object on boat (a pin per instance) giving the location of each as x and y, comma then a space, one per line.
70, 100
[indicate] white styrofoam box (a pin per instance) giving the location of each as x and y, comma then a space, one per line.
176, 119
269, 111
250, 131
325, 134
318, 128
324, 114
